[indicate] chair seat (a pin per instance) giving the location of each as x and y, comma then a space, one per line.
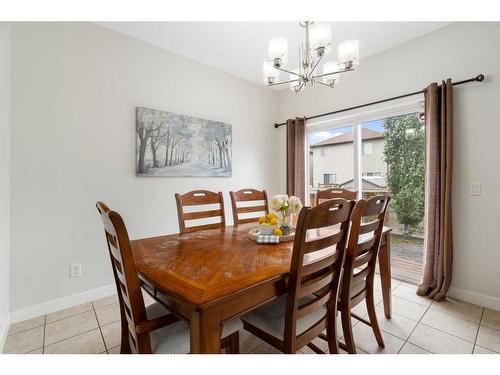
174, 338
270, 318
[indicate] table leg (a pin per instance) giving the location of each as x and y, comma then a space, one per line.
384, 262
205, 333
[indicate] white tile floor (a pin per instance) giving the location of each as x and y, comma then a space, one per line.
418, 326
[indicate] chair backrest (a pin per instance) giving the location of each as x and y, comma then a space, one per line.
132, 307
198, 198
317, 259
248, 195
333, 193
367, 223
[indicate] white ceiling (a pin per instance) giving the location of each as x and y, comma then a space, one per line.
239, 48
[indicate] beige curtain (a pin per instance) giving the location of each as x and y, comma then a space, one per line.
295, 158
438, 242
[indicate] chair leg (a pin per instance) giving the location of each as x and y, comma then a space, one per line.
331, 331
124, 344
234, 347
347, 329
231, 343
370, 306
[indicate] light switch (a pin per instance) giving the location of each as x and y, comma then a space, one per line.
475, 188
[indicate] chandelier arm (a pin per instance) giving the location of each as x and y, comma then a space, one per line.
300, 87
337, 72
287, 71
283, 82
315, 65
324, 84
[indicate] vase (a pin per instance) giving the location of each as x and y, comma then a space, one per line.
286, 222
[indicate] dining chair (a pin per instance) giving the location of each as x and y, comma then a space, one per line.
199, 198
248, 195
294, 319
367, 222
151, 329
332, 193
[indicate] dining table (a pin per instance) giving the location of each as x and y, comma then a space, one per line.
211, 276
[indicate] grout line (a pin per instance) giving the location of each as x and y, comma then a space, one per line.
100, 331
448, 333
413, 330
44, 327
477, 332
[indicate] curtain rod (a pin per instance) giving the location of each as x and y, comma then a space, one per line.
479, 78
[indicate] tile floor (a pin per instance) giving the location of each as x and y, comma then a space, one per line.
418, 326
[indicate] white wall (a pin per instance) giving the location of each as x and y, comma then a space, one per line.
74, 91
458, 51
4, 176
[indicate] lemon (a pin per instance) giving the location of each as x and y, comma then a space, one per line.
273, 221
262, 220
271, 216
278, 232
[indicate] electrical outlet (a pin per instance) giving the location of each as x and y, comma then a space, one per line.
75, 270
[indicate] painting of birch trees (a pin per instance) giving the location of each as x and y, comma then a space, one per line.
174, 145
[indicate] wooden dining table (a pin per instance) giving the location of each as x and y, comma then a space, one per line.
212, 276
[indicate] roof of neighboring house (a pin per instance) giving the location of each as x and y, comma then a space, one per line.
347, 138
374, 181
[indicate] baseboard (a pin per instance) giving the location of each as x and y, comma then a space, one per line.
475, 298
4, 330
61, 303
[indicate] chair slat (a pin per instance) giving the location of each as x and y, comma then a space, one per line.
311, 333
369, 227
320, 264
363, 259
202, 214
316, 283
323, 243
313, 305
248, 195
199, 198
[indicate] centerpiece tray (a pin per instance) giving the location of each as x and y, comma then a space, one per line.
252, 235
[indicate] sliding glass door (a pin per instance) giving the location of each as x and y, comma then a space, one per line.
380, 156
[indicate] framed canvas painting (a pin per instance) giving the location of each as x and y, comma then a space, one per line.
174, 145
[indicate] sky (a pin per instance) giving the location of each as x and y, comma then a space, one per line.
377, 125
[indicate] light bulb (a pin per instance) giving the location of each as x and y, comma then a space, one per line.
349, 52
278, 50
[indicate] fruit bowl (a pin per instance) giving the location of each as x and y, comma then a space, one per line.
267, 228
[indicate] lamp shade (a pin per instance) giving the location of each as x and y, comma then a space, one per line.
278, 49
349, 51
331, 67
293, 85
320, 36
268, 70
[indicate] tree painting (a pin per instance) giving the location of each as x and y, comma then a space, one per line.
174, 145
404, 155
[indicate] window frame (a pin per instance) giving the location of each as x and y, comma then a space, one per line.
356, 119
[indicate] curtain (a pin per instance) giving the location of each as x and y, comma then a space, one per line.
295, 158
438, 243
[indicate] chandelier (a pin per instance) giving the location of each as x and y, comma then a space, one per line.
318, 44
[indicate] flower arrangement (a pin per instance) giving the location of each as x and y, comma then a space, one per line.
284, 207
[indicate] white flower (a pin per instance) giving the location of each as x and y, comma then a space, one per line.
276, 203
294, 205
285, 198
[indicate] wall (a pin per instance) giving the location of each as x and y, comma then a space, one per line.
75, 87
4, 177
458, 51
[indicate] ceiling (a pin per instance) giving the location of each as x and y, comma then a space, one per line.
239, 48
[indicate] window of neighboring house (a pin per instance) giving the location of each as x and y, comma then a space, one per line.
372, 174
324, 151
367, 148
329, 178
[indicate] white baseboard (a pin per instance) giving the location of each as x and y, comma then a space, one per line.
475, 298
61, 303
4, 329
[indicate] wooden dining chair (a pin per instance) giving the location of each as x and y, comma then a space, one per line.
248, 195
198, 198
152, 329
333, 193
367, 222
294, 319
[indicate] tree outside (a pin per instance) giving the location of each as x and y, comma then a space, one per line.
404, 155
